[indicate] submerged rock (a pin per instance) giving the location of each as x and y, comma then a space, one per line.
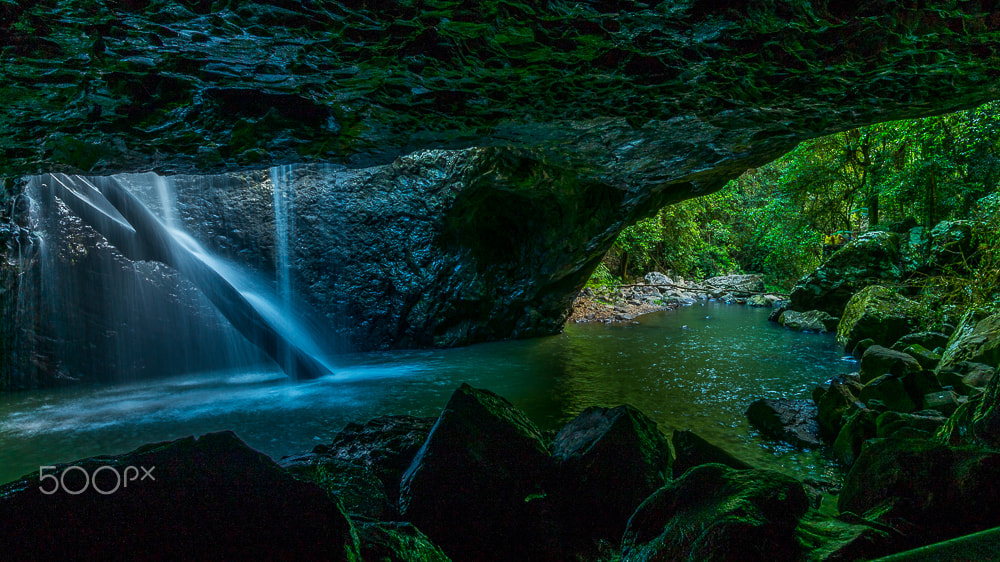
792, 421
870, 259
206, 498
475, 486
608, 461
717, 513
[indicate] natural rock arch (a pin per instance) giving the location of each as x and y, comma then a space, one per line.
552, 126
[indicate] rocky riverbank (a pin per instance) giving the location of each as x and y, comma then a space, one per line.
610, 485
658, 292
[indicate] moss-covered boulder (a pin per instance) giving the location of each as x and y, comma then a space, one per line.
872, 258
890, 391
977, 421
925, 490
977, 339
922, 424
965, 377
716, 513
928, 359
879, 313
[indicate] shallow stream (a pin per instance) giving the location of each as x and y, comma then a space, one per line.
695, 368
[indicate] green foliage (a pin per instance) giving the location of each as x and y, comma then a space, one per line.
772, 219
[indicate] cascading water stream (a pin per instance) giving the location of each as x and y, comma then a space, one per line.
115, 209
282, 193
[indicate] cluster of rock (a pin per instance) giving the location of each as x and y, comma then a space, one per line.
855, 292
918, 424
480, 482
660, 292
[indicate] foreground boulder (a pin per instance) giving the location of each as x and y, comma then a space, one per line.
716, 513
475, 486
928, 491
792, 421
870, 259
212, 498
879, 313
609, 461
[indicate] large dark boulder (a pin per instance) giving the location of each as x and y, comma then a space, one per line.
212, 498
926, 490
792, 421
870, 259
475, 487
716, 513
608, 461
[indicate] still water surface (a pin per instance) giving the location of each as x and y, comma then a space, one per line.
695, 368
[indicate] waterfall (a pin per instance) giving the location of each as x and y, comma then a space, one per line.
159, 300
283, 195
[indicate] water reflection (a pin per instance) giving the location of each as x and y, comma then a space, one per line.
694, 368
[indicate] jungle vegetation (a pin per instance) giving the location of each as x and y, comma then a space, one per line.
772, 220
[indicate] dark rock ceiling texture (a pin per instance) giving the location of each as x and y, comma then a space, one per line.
580, 116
